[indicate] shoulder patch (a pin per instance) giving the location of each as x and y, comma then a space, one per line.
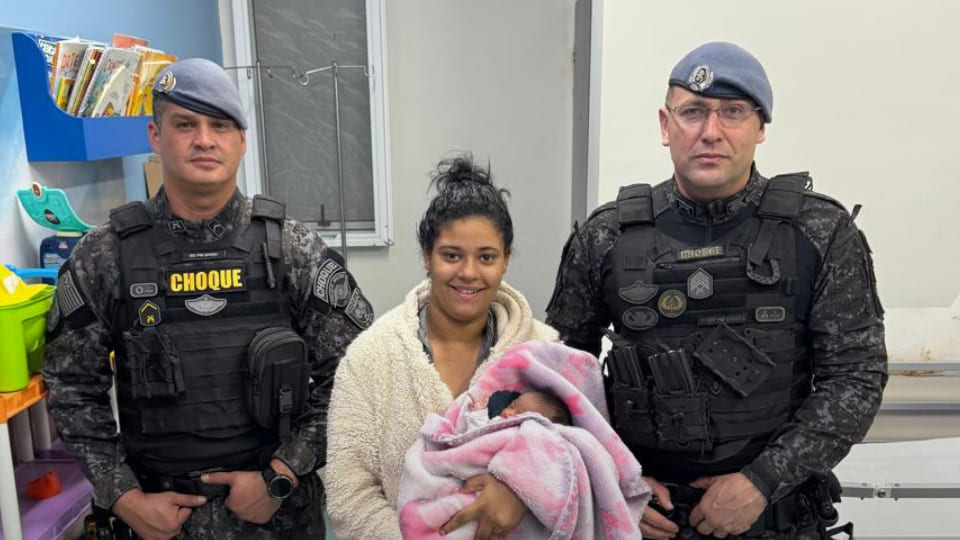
68, 297
359, 310
332, 284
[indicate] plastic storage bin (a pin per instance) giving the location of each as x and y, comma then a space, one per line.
22, 335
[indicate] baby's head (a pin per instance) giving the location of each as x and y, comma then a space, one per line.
544, 403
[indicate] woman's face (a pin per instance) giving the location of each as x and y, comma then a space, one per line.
465, 267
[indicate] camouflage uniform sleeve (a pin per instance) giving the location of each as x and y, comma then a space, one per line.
77, 368
849, 363
330, 311
576, 308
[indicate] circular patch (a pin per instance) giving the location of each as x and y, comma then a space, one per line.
166, 84
672, 303
640, 318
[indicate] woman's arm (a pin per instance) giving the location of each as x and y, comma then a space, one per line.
356, 503
497, 509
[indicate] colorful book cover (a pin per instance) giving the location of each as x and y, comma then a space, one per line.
123, 41
112, 60
88, 65
152, 63
67, 60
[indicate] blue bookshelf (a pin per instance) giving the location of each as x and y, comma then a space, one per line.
53, 135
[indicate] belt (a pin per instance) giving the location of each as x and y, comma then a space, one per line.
189, 484
781, 517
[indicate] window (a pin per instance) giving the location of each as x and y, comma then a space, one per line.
292, 142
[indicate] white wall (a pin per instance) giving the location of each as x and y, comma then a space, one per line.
495, 78
865, 98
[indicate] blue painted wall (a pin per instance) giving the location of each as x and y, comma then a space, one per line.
186, 28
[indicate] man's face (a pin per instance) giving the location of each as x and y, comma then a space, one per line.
712, 158
199, 153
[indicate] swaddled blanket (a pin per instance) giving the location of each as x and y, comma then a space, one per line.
577, 481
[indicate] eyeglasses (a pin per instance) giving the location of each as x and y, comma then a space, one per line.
730, 114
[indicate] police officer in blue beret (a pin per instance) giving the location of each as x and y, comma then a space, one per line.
747, 345
227, 321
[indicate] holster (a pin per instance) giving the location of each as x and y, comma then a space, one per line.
279, 378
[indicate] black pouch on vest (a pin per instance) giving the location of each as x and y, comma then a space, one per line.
154, 363
633, 416
682, 422
682, 414
279, 378
734, 359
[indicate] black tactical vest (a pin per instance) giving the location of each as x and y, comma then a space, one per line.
184, 318
709, 358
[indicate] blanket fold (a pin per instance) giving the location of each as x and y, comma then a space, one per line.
577, 481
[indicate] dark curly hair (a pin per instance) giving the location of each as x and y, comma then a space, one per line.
464, 190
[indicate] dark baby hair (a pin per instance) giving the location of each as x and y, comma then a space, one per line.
464, 190
559, 413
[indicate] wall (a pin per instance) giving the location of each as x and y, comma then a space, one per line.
495, 78
183, 27
864, 98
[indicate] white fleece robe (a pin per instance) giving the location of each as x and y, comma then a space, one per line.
384, 388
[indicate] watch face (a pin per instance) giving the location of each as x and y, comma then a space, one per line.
280, 487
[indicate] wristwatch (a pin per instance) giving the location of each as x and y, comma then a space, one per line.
279, 486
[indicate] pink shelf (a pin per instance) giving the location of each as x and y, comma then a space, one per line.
49, 518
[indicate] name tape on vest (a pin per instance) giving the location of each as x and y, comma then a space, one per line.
206, 280
700, 253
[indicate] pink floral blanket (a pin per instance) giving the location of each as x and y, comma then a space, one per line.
578, 482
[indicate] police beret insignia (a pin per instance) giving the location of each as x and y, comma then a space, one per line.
167, 83
700, 78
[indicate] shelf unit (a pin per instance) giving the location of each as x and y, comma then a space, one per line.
53, 135
24, 518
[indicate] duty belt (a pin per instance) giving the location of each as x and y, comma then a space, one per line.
189, 484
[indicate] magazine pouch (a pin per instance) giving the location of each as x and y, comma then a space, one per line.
279, 378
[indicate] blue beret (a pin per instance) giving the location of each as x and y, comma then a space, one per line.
201, 86
724, 70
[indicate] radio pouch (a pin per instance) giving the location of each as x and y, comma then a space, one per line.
279, 378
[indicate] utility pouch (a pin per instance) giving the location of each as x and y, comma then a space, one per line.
734, 359
154, 364
633, 416
683, 422
279, 378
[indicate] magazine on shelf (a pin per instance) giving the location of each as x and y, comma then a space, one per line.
105, 79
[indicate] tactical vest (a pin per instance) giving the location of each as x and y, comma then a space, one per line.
185, 316
708, 358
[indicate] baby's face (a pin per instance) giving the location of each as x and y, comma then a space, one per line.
525, 403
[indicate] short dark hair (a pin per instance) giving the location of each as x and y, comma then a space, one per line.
558, 411
159, 107
464, 190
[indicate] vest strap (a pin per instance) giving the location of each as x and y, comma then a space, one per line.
635, 205
130, 218
784, 196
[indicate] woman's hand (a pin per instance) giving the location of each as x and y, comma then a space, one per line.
497, 509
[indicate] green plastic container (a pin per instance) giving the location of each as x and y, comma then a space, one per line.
22, 336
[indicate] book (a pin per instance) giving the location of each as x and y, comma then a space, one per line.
68, 55
88, 64
123, 41
47, 45
113, 98
151, 64
112, 60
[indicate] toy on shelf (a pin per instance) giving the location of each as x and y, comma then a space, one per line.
50, 208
